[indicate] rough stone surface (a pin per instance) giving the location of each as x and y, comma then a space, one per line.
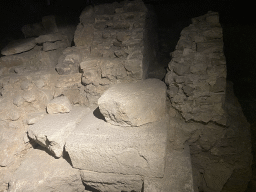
178, 173
204, 111
69, 62
41, 172
112, 182
120, 43
59, 105
98, 146
19, 46
51, 131
134, 104
197, 72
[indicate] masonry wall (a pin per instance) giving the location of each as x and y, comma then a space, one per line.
205, 113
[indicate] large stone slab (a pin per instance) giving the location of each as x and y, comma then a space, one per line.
19, 46
112, 182
134, 104
178, 173
51, 131
98, 146
43, 173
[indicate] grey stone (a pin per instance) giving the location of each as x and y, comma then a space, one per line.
19, 46
84, 35
43, 173
18, 100
98, 146
178, 173
112, 182
30, 96
59, 105
134, 104
51, 131
68, 63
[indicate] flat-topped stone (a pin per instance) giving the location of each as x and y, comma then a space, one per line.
98, 146
134, 104
19, 46
51, 131
59, 105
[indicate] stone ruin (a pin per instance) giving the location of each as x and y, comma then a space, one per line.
88, 118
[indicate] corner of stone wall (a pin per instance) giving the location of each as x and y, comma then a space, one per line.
203, 111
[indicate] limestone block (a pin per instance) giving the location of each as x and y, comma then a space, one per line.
69, 63
52, 131
59, 105
87, 15
178, 173
84, 35
19, 46
98, 146
43, 173
134, 67
112, 182
134, 104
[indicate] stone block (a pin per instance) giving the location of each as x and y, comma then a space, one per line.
84, 35
19, 46
41, 172
52, 131
112, 182
134, 104
178, 173
98, 146
59, 105
68, 63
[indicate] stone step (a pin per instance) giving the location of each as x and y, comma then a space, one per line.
98, 146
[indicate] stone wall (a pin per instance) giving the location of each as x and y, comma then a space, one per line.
205, 113
120, 46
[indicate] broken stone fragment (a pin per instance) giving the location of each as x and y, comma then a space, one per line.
51, 131
134, 104
19, 46
59, 105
